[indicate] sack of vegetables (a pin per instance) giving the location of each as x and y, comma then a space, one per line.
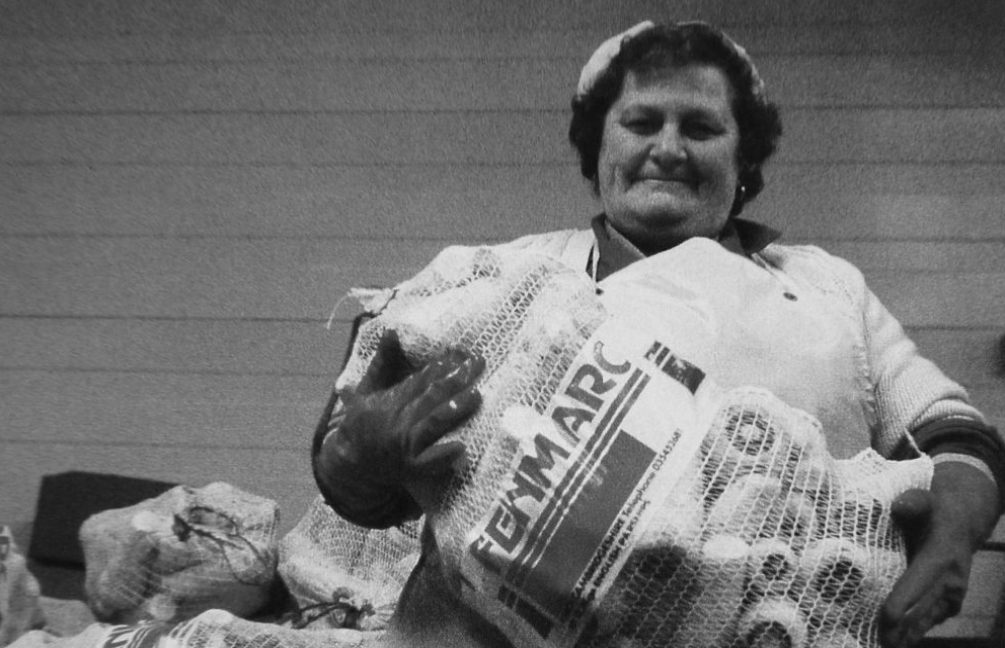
614, 494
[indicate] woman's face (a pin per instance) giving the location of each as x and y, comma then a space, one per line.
667, 169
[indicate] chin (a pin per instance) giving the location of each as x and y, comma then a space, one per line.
671, 204
664, 214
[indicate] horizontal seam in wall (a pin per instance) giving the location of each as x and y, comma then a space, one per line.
543, 110
569, 164
420, 238
172, 372
136, 444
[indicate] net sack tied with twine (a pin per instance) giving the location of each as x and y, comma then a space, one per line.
616, 496
184, 552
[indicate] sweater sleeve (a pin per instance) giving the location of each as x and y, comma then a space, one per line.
966, 441
917, 405
910, 391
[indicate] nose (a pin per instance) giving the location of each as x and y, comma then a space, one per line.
669, 145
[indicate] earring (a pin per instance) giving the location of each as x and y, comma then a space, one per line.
739, 200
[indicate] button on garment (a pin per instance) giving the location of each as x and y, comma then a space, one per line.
737, 319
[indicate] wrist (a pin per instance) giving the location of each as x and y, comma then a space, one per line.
966, 499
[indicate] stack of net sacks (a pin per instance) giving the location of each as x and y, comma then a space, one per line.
345, 579
341, 575
614, 495
186, 551
210, 629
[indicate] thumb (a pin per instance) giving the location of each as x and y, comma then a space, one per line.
387, 367
912, 512
912, 507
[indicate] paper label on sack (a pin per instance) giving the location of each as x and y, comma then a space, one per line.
142, 635
626, 419
155, 634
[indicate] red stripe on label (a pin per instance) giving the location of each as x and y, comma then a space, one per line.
552, 580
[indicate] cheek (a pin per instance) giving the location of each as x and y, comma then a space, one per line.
722, 165
619, 152
608, 172
605, 157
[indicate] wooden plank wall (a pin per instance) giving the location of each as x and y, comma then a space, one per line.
189, 186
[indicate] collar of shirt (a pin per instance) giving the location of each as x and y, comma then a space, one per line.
614, 251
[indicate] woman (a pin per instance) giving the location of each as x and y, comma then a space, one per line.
672, 127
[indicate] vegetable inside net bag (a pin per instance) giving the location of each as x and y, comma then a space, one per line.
614, 495
344, 576
214, 628
186, 551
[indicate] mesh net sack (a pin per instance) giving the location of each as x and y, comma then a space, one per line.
344, 580
174, 556
210, 629
344, 576
20, 593
614, 495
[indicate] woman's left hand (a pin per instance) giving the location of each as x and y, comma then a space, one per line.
943, 528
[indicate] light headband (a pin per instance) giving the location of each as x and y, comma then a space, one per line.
601, 58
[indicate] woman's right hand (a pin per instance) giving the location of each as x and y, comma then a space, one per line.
387, 433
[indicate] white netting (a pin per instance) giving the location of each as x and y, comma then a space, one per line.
20, 594
727, 521
774, 544
614, 496
211, 629
189, 550
528, 319
344, 576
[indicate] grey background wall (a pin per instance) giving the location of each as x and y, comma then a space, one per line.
187, 188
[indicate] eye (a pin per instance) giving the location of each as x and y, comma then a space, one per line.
641, 123
701, 129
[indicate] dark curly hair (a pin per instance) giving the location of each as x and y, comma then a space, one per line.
672, 45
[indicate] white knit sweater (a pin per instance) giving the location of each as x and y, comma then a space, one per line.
797, 321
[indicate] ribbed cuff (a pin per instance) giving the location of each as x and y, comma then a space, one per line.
973, 462
970, 438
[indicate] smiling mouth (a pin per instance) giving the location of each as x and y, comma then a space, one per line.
688, 182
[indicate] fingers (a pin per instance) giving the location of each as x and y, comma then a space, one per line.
912, 511
907, 629
397, 426
437, 399
930, 591
445, 417
442, 380
904, 616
